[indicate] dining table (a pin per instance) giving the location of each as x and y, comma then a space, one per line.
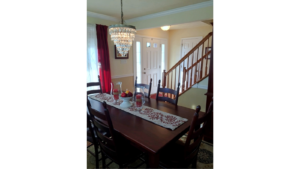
149, 137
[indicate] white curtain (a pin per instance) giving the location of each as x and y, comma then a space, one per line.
92, 56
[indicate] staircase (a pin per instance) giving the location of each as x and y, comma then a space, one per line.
191, 69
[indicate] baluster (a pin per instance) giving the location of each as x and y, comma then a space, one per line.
187, 85
191, 67
175, 78
206, 60
167, 82
195, 76
197, 67
208, 42
171, 80
201, 61
179, 80
183, 79
164, 80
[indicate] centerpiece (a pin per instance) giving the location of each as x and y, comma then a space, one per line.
126, 96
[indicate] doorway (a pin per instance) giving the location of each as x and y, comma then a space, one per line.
150, 58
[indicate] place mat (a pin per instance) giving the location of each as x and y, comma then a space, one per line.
155, 116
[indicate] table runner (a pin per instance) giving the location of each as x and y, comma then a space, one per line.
155, 116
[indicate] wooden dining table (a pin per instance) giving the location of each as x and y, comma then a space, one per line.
146, 135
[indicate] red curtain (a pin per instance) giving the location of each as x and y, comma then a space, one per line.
103, 58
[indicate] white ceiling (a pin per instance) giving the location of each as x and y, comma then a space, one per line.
135, 8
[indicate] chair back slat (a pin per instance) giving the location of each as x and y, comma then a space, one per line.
196, 133
167, 99
93, 91
167, 90
140, 85
91, 129
91, 84
104, 128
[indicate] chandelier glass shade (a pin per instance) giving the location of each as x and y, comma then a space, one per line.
122, 35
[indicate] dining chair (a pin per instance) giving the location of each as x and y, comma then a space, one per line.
140, 85
112, 145
94, 84
90, 127
180, 154
91, 137
167, 91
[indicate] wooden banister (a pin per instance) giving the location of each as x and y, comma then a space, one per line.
190, 67
191, 51
198, 61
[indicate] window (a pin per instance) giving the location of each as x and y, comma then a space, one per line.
162, 57
138, 62
92, 57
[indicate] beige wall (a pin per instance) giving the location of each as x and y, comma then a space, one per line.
127, 83
175, 40
192, 98
154, 32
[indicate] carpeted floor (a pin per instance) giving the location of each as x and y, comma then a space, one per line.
205, 158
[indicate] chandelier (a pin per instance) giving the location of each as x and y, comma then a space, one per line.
122, 35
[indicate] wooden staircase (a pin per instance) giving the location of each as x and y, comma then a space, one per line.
191, 69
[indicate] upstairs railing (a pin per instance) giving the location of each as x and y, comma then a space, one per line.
190, 69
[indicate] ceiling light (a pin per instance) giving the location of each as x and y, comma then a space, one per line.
165, 28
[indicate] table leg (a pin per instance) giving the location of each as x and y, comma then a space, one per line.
153, 160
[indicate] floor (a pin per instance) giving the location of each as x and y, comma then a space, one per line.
205, 158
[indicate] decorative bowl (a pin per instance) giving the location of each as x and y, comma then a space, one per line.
126, 102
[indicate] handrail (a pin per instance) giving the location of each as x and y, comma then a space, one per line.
197, 63
204, 56
190, 52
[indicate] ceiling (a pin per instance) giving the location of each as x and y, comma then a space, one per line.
135, 8
188, 25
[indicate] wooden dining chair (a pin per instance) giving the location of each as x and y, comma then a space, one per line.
91, 137
140, 85
94, 84
180, 154
112, 145
167, 91
90, 127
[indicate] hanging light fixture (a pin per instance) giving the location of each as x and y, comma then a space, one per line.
165, 28
122, 35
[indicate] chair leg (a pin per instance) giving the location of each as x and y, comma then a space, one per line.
96, 155
147, 160
194, 163
103, 160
